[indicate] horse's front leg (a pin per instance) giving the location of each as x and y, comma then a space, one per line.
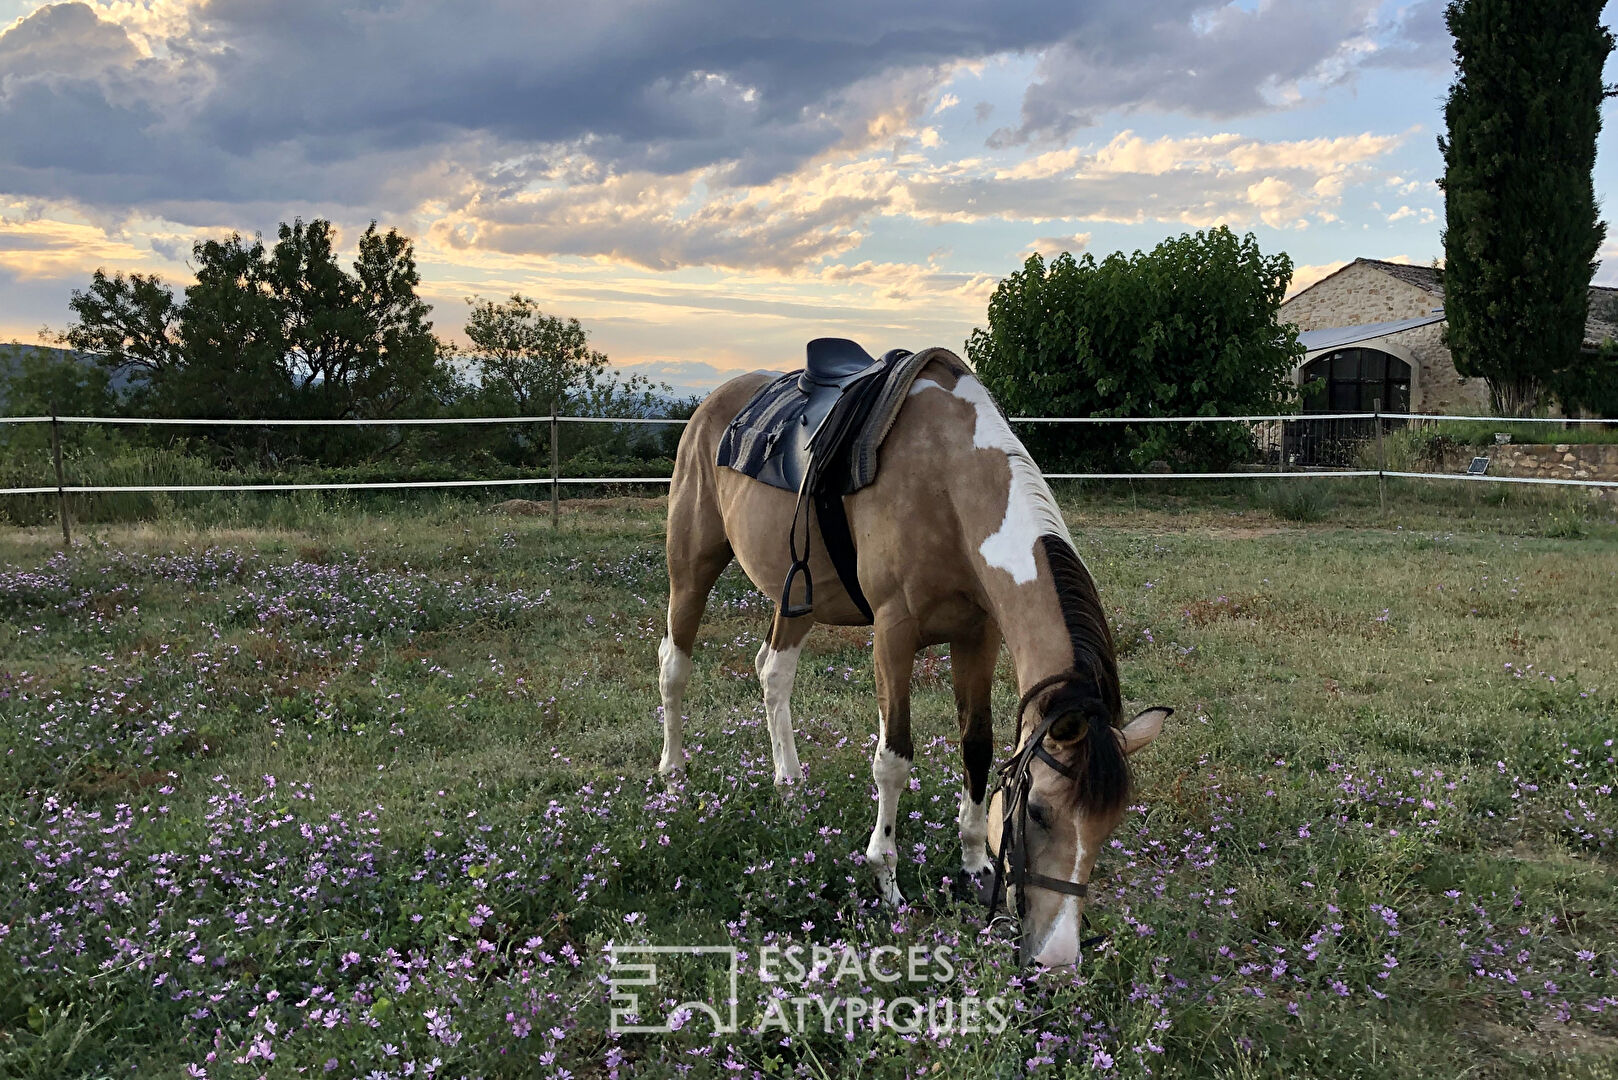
896, 643
972, 661
777, 667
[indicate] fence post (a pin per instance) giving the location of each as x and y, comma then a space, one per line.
61, 496
1381, 460
1283, 446
556, 471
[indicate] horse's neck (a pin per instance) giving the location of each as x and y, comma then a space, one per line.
1009, 563
1024, 601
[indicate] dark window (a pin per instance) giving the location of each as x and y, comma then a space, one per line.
1353, 380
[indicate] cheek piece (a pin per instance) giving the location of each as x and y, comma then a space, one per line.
1011, 860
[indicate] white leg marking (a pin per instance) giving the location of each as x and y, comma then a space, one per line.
674, 673
776, 672
974, 822
891, 772
1030, 510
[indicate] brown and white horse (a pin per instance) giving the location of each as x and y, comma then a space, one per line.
959, 541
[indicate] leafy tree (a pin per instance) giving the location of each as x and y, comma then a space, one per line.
1521, 231
354, 344
231, 349
130, 324
37, 381
273, 332
1188, 329
526, 359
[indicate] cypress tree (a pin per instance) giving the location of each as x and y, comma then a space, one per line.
1521, 231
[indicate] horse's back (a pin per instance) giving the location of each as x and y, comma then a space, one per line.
710, 505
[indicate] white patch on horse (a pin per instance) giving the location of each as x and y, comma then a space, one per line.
673, 675
974, 822
1031, 511
776, 672
891, 773
1061, 946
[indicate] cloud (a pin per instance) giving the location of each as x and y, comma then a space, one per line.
1052, 246
1423, 215
1193, 57
684, 377
661, 223
822, 213
1196, 181
36, 247
948, 101
1305, 276
1415, 36
64, 39
380, 105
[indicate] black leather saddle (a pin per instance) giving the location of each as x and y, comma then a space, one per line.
796, 434
835, 361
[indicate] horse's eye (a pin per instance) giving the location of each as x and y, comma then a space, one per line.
1036, 814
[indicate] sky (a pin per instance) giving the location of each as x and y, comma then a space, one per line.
707, 184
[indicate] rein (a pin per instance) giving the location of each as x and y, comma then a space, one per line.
1015, 783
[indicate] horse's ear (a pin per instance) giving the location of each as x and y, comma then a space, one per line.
1147, 726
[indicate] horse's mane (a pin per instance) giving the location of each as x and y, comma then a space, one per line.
1091, 691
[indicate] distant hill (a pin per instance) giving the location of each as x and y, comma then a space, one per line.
685, 377
13, 353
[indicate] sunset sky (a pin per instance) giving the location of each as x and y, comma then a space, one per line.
712, 182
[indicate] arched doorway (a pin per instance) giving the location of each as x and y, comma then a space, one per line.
1354, 380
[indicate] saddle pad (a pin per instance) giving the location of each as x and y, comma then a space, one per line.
769, 437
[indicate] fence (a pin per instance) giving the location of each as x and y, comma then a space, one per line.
1274, 447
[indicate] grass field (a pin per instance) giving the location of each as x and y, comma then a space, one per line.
311, 788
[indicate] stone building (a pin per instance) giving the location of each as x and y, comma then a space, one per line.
1375, 330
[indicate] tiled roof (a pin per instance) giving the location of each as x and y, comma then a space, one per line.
1601, 323
1422, 277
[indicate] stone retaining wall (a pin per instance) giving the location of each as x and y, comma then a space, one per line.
1562, 461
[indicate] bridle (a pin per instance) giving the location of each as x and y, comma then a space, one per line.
1011, 858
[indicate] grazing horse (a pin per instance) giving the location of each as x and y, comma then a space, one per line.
959, 541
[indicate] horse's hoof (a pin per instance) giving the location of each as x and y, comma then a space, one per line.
887, 885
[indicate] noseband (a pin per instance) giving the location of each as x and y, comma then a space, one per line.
1011, 858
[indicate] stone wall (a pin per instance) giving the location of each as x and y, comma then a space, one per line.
1361, 293
1438, 387
1355, 295
1562, 461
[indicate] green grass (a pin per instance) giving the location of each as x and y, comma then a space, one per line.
1390, 772
1482, 432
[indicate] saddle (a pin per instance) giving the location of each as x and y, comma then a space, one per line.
816, 433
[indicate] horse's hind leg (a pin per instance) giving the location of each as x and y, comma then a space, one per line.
972, 662
698, 553
777, 666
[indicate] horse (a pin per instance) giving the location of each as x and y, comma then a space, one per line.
960, 542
